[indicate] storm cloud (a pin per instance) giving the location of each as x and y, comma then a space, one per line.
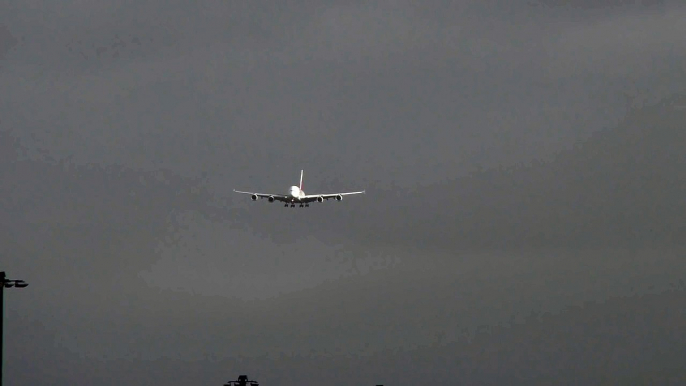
517, 156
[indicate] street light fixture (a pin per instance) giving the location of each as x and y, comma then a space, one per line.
15, 283
5, 283
242, 381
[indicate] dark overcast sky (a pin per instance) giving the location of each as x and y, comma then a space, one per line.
517, 156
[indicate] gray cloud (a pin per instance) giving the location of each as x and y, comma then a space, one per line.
124, 129
247, 87
573, 345
7, 41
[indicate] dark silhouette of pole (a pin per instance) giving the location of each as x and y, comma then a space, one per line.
2, 319
4, 283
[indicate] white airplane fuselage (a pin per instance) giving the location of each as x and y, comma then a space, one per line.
296, 193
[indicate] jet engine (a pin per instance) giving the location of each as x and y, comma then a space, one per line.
271, 199
320, 199
339, 197
254, 197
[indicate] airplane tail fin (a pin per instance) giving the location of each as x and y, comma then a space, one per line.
301, 180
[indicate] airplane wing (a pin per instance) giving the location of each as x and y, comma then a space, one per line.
255, 196
328, 196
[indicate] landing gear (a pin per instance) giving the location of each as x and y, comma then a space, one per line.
292, 204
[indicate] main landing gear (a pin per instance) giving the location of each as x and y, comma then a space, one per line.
301, 205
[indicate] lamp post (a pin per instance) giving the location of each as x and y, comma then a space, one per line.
4, 283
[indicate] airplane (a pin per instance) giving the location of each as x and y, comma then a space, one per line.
296, 195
